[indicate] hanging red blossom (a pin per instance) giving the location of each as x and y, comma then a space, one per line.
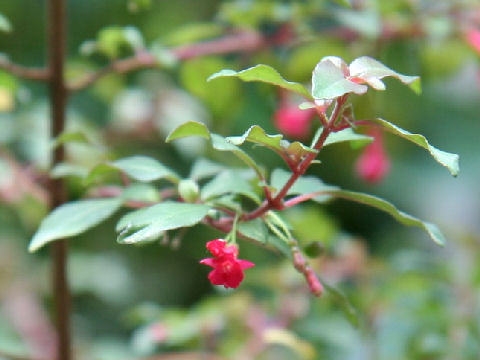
473, 38
227, 269
373, 164
292, 121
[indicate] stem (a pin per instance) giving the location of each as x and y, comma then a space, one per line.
38, 74
239, 41
58, 100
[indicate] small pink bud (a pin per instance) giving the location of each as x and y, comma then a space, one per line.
292, 121
314, 284
473, 38
373, 164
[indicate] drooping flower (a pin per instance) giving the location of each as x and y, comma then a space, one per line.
292, 121
227, 268
373, 164
473, 38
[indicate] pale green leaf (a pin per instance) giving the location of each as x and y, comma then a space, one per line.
304, 184
257, 135
68, 137
66, 169
190, 128
372, 71
72, 219
141, 192
346, 135
5, 24
151, 222
257, 230
449, 160
389, 208
266, 74
204, 168
229, 182
329, 82
143, 168
193, 128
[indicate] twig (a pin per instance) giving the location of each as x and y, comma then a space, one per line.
37, 74
241, 41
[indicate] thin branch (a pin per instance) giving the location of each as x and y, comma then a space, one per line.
37, 74
240, 41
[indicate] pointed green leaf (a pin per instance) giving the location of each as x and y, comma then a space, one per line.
304, 184
229, 182
193, 128
143, 168
156, 219
257, 230
329, 82
72, 219
190, 128
141, 192
263, 73
67, 137
257, 135
389, 208
66, 169
343, 136
372, 71
339, 297
449, 160
204, 168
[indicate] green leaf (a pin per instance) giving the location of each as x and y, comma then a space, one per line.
66, 169
372, 71
229, 182
257, 135
190, 128
146, 169
346, 306
449, 160
257, 230
192, 33
193, 128
155, 220
73, 136
5, 24
345, 135
304, 185
346, 3
389, 208
204, 168
99, 171
72, 219
263, 73
329, 82
141, 192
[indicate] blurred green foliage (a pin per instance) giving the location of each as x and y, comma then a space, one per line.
410, 299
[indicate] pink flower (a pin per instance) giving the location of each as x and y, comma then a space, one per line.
473, 38
227, 269
373, 164
292, 121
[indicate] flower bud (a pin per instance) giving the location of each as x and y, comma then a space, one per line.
188, 190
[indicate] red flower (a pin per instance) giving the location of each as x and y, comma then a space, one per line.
473, 38
227, 269
292, 121
373, 164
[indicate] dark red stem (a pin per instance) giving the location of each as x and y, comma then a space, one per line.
58, 100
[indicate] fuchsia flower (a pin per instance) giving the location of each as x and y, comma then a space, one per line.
373, 164
473, 38
227, 269
292, 121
